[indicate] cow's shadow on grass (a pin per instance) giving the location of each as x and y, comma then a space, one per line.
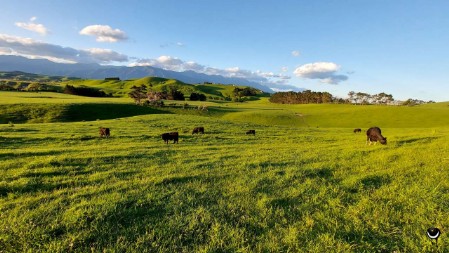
416, 140
368, 183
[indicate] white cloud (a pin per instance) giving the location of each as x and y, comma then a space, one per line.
104, 33
12, 45
296, 53
284, 69
324, 71
31, 26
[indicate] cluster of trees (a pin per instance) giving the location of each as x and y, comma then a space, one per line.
362, 98
304, 97
244, 92
143, 95
381, 99
85, 91
358, 98
241, 94
197, 97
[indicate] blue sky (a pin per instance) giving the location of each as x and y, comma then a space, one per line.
398, 47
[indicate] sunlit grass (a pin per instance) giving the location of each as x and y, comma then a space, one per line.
287, 189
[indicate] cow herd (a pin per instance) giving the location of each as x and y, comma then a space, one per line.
373, 134
171, 136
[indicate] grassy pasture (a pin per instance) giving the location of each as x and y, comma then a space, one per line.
290, 188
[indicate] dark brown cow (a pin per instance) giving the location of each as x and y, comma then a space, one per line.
357, 130
253, 132
198, 130
170, 136
105, 132
373, 135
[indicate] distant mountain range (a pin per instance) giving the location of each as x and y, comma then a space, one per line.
96, 71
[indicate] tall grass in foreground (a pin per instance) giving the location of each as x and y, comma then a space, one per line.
287, 189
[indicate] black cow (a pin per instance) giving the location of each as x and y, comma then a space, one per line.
357, 130
373, 135
253, 132
170, 136
105, 132
198, 130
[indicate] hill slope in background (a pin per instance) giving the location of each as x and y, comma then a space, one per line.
21, 107
96, 71
119, 88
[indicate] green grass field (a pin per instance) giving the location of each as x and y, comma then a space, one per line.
304, 183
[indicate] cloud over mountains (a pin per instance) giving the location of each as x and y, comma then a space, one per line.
30, 48
104, 33
35, 49
326, 72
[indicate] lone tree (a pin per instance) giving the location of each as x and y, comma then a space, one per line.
138, 93
155, 98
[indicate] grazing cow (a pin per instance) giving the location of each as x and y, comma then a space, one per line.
105, 132
357, 130
253, 132
373, 135
170, 136
198, 130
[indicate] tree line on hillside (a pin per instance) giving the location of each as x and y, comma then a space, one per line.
26, 86
362, 98
302, 97
143, 95
357, 98
240, 94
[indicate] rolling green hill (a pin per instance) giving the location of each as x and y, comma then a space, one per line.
118, 88
22, 107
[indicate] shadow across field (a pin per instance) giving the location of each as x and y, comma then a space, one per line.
34, 185
381, 242
14, 129
210, 90
11, 155
178, 180
322, 173
89, 112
